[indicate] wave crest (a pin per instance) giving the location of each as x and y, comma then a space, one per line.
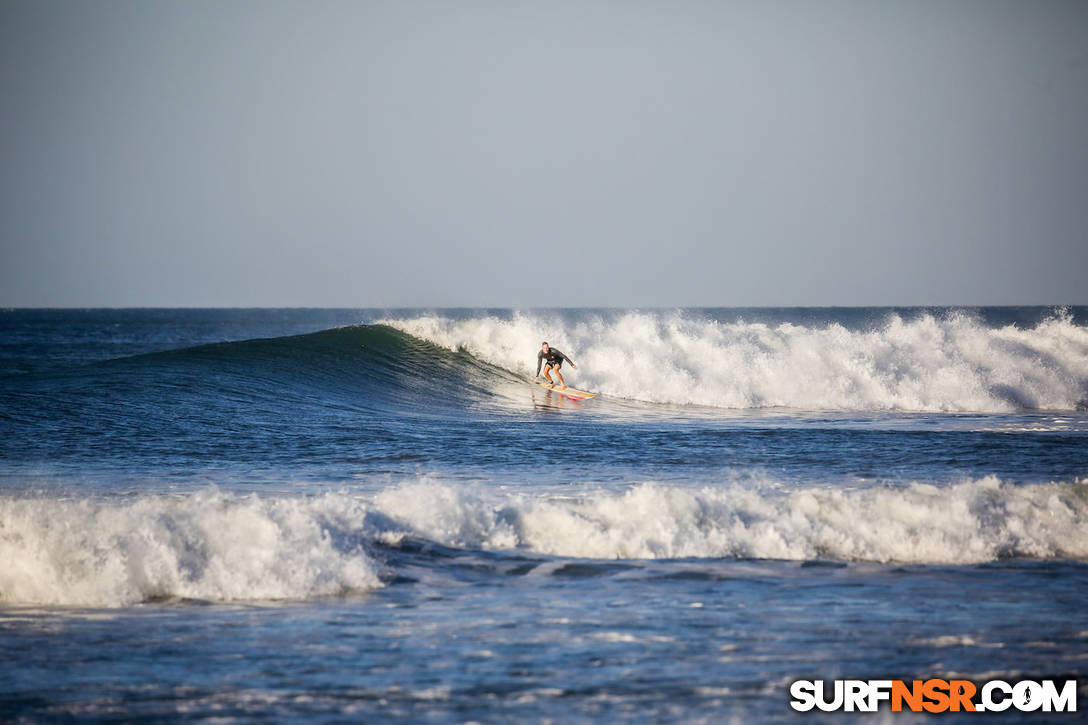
969, 522
950, 363
207, 546
217, 547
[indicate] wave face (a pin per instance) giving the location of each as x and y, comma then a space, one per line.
240, 400
953, 362
219, 547
365, 363
369, 365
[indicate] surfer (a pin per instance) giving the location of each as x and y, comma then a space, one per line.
552, 359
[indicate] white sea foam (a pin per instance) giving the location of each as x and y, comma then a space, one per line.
930, 363
973, 521
205, 546
218, 547
954, 640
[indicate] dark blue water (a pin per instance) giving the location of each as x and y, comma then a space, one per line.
347, 515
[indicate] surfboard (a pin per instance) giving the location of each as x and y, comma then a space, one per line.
568, 391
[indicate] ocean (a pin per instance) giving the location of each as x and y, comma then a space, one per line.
323, 516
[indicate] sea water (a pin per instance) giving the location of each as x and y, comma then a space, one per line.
370, 515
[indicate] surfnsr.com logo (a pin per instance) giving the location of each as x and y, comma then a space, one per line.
934, 695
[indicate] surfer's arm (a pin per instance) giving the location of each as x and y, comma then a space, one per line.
539, 362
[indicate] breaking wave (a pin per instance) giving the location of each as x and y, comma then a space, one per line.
208, 546
219, 547
942, 363
973, 521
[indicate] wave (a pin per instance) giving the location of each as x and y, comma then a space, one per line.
438, 364
932, 363
207, 546
973, 521
373, 364
220, 547
355, 369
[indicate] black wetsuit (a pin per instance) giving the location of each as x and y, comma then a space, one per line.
553, 357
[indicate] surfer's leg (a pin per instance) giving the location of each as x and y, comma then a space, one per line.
548, 374
560, 376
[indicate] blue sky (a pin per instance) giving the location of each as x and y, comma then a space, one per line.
543, 154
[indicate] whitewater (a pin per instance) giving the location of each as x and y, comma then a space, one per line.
217, 547
950, 362
364, 515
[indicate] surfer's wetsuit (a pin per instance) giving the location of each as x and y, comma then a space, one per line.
553, 358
